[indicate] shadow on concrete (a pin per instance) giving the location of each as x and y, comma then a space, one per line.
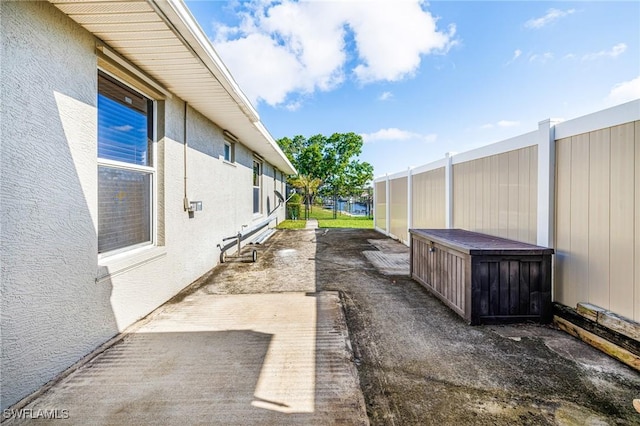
164, 378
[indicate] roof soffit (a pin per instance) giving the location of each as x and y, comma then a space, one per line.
162, 39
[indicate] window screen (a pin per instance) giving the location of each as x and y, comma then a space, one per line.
124, 208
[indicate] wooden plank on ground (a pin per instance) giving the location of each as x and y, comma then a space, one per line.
620, 324
589, 311
598, 342
610, 320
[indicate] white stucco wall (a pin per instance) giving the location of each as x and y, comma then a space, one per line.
53, 310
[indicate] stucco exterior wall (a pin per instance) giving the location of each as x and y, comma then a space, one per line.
52, 311
59, 300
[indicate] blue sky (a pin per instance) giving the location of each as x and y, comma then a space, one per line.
419, 79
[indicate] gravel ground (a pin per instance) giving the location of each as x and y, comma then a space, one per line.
418, 362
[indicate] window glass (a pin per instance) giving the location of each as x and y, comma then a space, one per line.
124, 124
256, 173
228, 149
256, 186
125, 130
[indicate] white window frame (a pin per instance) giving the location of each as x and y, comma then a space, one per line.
260, 163
232, 152
153, 195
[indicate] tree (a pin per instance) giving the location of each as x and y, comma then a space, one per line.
356, 176
310, 187
332, 160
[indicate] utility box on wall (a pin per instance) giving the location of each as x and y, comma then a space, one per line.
484, 279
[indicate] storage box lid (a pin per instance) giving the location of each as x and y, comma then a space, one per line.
475, 243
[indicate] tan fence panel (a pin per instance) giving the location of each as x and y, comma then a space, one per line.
497, 195
597, 219
381, 205
636, 298
398, 212
622, 219
563, 288
428, 199
599, 216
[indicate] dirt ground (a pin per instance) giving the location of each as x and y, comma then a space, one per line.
418, 362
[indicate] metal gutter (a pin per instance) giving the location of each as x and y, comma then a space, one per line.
263, 130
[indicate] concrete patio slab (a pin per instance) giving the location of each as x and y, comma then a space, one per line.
221, 359
388, 263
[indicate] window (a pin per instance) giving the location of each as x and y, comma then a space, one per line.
229, 151
257, 172
126, 170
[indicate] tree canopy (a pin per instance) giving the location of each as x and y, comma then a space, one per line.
332, 160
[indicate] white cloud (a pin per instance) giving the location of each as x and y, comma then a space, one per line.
385, 96
294, 105
625, 91
284, 47
501, 123
614, 52
516, 55
541, 57
395, 134
551, 16
392, 36
124, 128
257, 68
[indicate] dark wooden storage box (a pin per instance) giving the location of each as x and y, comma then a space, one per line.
484, 279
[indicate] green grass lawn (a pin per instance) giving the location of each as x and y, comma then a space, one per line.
292, 224
346, 222
326, 220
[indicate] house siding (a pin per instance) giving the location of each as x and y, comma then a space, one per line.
58, 301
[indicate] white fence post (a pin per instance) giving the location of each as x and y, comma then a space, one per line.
409, 201
388, 205
546, 182
448, 190
374, 205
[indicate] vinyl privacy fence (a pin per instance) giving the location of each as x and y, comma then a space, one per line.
572, 185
